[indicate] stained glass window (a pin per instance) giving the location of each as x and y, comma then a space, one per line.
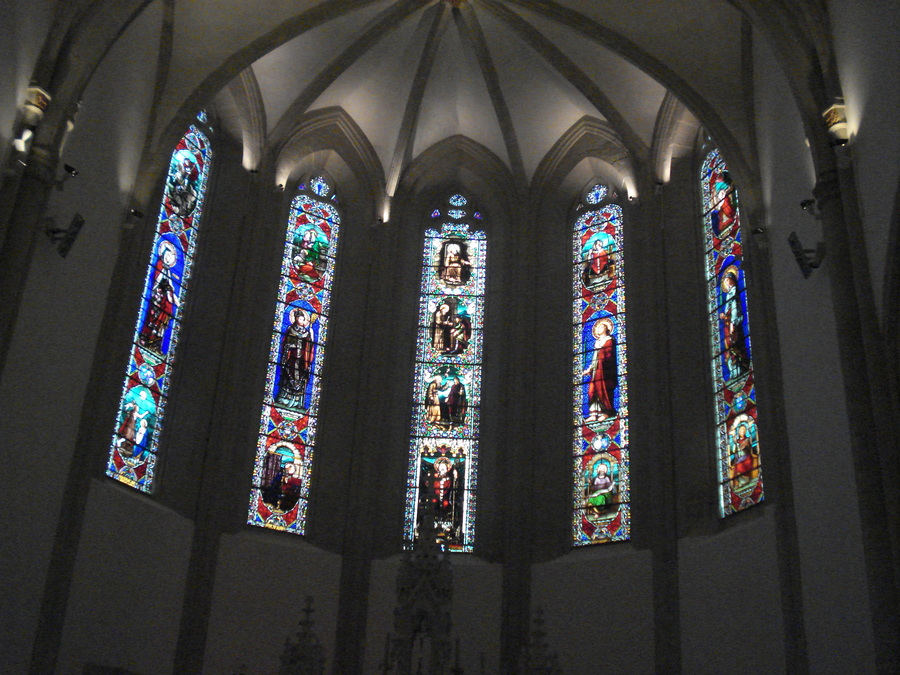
132, 455
458, 200
601, 494
596, 194
320, 186
287, 430
737, 438
456, 214
443, 457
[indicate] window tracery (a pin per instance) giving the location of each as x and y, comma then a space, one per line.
601, 492
133, 452
287, 432
443, 457
737, 437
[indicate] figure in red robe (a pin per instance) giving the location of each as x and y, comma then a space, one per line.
162, 299
603, 373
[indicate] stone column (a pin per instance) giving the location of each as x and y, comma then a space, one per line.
871, 416
23, 229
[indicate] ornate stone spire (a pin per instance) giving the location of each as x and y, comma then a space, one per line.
537, 657
422, 622
303, 655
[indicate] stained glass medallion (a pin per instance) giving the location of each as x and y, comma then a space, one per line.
458, 200
287, 429
737, 437
133, 452
320, 186
601, 492
596, 194
443, 458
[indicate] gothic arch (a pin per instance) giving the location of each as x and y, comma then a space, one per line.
331, 129
588, 137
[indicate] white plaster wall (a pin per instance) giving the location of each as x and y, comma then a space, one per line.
731, 620
125, 604
867, 47
835, 597
54, 341
598, 608
262, 582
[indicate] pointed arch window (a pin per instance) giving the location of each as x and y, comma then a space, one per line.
443, 454
133, 452
602, 510
287, 431
737, 437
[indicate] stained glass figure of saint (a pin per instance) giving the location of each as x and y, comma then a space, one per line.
132, 454
601, 509
740, 473
443, 455
287, 428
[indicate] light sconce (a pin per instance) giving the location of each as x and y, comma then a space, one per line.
36, 102
835, 118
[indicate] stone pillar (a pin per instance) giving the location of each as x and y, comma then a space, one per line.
655, 521
23, 229
872, 417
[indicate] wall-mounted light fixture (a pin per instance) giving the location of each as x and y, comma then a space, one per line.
36, 102
70, 172
835, 117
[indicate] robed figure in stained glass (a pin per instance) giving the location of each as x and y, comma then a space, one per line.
724, 214
297, 353
441, 480
183, 185
450, 328
454, 267
163, 299
600, 261
310, 247
743, 452
602, 373
732, 323
601, 487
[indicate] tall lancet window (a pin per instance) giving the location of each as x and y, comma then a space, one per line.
133, 453
443, 455
602, 510
287, 429
737, 438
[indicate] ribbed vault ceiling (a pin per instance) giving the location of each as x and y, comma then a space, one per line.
512, 75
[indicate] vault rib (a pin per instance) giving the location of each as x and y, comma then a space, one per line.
387, 21
407, 134
471, 29
573, 74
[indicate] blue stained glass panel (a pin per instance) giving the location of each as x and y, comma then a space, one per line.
132, 454
320, 186
596, 194
458, 200
284, 451
737, 437
601, 477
